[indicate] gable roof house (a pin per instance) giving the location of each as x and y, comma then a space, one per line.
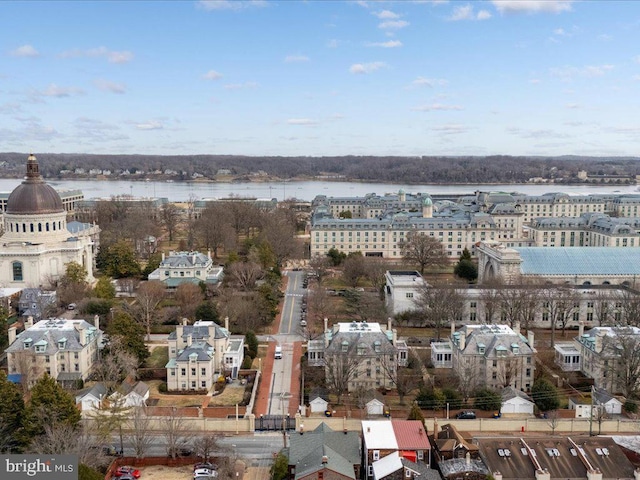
131, 394
381, 438
324, 453
36, 302
200, 353
516, 403
65, 349
187, 267
90, 398
359, 355
495, 356
396, 467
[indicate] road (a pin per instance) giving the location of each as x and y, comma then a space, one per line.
289, 332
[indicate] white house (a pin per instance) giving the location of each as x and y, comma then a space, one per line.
91, 398
318, 404
402, 288
187, 267
131, 394
375, 407
516, 402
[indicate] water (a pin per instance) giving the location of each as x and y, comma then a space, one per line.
305, 190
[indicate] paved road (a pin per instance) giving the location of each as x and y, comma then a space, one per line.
289, 332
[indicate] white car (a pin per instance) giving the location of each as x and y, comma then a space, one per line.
204, 474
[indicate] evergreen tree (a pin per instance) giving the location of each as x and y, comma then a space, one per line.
465, 268
252, 344
487, 399
130, 335
12, 437
207, 311
118, 260
416, 414
50, 405
104, 289
280, 468
545, 395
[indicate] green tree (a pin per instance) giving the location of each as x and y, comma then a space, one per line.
73, 284
152, 264
416, 413
465, 268
49, 405
280, 468
118, 260
454, 397
336, 256
252, 344
12, 438
487, 400
75, 273
545, 395
130, 335
87, 473
207, 311
104, 289
431, 398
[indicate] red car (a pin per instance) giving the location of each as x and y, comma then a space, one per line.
126, 470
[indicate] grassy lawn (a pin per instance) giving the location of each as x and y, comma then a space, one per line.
233, 393
159, 357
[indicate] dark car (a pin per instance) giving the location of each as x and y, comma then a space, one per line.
466, 415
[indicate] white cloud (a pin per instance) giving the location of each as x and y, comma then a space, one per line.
436, 107
386, 15
532, 6
387, 44
333, 43
150, 125
361, 68
56, 91
124, 56
567, 73
25, 51
302, 121
240, 86
296, 59
466, 12
107, 86
212, 75
560, 32
235, 5
429, 82
393, 24
452, 129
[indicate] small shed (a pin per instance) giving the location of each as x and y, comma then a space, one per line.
611, 404
131, 394
515, 402
91, 397
318, 401
375, 407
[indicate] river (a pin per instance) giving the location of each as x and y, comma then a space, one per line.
303, 190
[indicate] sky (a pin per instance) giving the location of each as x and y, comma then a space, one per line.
315, 78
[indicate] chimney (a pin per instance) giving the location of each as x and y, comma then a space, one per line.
189, 340
209, 254
163, 256
185, 321
497, 475
83, 336
394, 337
598, 339
96, 321
594, 474
226, 323
467, 459
389, 323
12, 334
325, 459
453, 327
516, 326
530, 338
463, 339
580, 328
326, 324
28, 323
544, 474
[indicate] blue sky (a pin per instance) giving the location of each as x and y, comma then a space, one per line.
513, 77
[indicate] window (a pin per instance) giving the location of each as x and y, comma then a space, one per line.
203, 384
76, 367
17, 271
173, 372
193, 385
183, 371
203, 371
376, 455
193, 371
75, 355
409, 294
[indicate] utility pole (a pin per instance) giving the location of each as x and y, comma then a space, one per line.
591, 414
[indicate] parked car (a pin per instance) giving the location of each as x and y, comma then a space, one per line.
207, 465
127, 476
303, 323
466, 415
127, 470
204, 474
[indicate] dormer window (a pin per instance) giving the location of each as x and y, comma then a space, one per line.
361, 349
62, 343
27, 342
481, 348
515, 348
345, 346
377, 346
41, 346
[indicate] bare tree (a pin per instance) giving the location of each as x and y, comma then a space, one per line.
439, 306
423, 250
320, 266
206, 446
244, 274
148, 298
353, 269
553, 420
29, 366
519, 305
320, 304
188, 296
603, 308
115, 364
623, 355
558, 303
176, 433
375, 268
63, 439
468, 379
278, 231
363, 306
341, 369
170, 216
111, 418
630, 308
214, 228
508, 369
404, 379
139, 431
491, 303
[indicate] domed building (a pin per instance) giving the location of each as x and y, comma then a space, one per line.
37, 242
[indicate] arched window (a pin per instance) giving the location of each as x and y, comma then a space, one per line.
46, 226
17, 271
31, 227
39, 227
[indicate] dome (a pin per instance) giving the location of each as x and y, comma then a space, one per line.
34, 196
427, 202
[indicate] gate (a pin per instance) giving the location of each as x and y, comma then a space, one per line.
275, 423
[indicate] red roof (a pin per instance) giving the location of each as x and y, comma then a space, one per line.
410, 435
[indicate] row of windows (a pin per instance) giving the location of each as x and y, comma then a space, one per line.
33, 227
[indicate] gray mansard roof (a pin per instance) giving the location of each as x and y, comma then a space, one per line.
200, 332
487, 340
49, 333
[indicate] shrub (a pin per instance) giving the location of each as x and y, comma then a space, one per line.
487, 400
162, 388
631, 406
